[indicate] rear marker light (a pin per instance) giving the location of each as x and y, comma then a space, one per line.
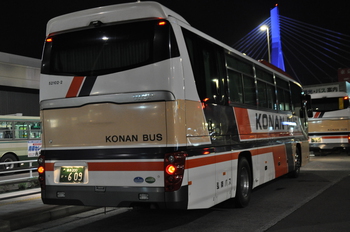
41, 170
174, 169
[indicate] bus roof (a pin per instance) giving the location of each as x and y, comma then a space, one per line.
112, 13
138, 10
18, 118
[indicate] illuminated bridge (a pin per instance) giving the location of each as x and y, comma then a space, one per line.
309, 53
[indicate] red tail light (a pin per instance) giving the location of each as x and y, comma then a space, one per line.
41, 171
174, 165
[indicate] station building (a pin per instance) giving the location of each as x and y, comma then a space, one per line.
19, 85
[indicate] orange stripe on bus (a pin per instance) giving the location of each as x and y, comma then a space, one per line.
203, 161
279, 152
335, 137
75, 86
280, 160
49, 166
269, 135
243, 121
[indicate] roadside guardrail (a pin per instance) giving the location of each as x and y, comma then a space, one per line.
30, 169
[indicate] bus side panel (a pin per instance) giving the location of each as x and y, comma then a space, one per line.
213, 178
263, 167
201, 189
196, 124
280, 160
226, 173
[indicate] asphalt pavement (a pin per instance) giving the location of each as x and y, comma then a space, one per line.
329, 211
22, 209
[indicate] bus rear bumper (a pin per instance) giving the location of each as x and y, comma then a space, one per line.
110, 196
329, 146
319, 149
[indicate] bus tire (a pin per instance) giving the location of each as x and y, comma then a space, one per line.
297, 164
244, 183
7, 158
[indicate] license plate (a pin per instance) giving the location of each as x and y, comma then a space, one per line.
72, 174
316, 139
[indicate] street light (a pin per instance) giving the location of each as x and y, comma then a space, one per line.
266, 28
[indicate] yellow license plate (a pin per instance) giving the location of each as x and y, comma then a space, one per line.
316, 139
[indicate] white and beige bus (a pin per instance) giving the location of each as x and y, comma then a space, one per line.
140, 108
20, 139
329, 128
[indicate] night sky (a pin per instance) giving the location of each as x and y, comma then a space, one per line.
23, 22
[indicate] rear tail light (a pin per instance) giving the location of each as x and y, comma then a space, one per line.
41, 171
162, 23
348, 138
174, 169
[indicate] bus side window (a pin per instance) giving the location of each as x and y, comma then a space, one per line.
8, 134
235, 84
206, 61
212, 75
262, 94
266, 89
283, 95
21, 130
5, 130
249, 90
35, 130
241, 80
296, 96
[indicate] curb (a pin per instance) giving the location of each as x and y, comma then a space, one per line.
37, 216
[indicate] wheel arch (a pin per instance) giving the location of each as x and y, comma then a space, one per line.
298, 146
9, 153
248, 156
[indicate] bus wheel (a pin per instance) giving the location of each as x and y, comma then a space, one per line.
297, 164
8, 158
244, 183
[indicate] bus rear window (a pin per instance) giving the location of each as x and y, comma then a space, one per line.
329, 104
108, 48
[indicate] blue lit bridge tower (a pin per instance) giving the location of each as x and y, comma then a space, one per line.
276, 45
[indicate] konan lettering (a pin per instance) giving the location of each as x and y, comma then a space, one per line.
268, 121
133, 138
